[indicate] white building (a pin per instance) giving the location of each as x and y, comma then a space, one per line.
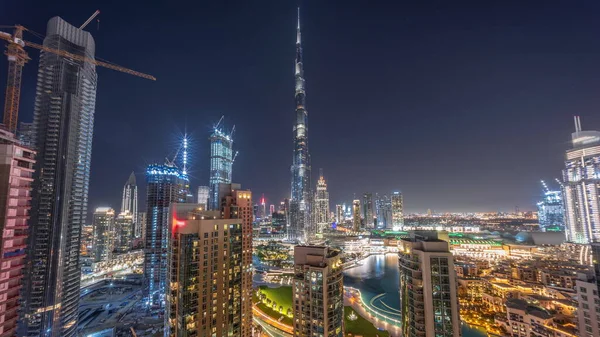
321, 204
397, 211
581, 186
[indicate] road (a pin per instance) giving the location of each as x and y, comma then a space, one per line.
270, 330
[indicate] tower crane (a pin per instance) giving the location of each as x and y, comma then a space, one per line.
17, 57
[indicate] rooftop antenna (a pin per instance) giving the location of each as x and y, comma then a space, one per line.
232, 131
90, 19
577, 123
185, 152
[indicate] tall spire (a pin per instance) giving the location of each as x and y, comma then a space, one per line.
301, 224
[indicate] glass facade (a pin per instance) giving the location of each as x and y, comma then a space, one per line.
104, 234
441, 295
322, 205
551, 211
63, 127
165, 185
221, 162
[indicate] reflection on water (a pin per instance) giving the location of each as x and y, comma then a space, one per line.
378, 275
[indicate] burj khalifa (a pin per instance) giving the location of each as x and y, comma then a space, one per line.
300, 221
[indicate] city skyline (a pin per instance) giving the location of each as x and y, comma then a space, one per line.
508, 109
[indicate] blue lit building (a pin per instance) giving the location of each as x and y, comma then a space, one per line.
166, 184
221, 162
551, 211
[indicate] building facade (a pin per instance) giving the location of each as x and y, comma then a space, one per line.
318, 292
63, 123
221, 164
210, 271
322, 205
339, 214
16, 176
581, 186
367, 210
129, 203
301, 223
428, 288
383, 207
551, 211
203, 195
166, 184
356, 221
123, 233
397, 211
104, 234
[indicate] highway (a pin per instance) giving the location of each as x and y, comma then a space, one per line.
269, 330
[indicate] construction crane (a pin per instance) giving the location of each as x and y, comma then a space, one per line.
17, 57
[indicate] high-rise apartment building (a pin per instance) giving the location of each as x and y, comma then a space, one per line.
140, 231
166, 184
367, 208
301, 223
63, 122
551, 211
339, 214
203, 195
383, 207
397, 211
318, 292
16, 172
129, 204
581, 186
221, 163
211, 267
123, 232
356, 215
104, 233
321, 204
428, 288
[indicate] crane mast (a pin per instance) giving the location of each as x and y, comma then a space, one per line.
17, 57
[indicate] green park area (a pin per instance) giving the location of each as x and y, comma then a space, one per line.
360, 326
277, 303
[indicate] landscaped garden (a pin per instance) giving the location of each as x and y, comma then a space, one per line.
277, 303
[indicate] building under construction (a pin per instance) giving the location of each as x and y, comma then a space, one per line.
221, 163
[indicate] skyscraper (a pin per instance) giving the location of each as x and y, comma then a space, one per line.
300, 225
383, 207
428, 288
104, 233
221, 162
130, 199
26, 134
368, 209
225, 292
140, 231
356, 215
581, 186
322, 204
166, 184
339, 214
203, 193
16, 171
588, 297
551, 210
318, 292
397, 211
63, 122
123, 233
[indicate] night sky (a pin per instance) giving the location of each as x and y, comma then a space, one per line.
461, 105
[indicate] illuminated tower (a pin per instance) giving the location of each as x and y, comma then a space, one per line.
63, 122
356, 215
368, 209
104, 234
166, 184
221, 162
551, 210
321, 204
203, 193
397, 211
581, 186
130, 199
300, 220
